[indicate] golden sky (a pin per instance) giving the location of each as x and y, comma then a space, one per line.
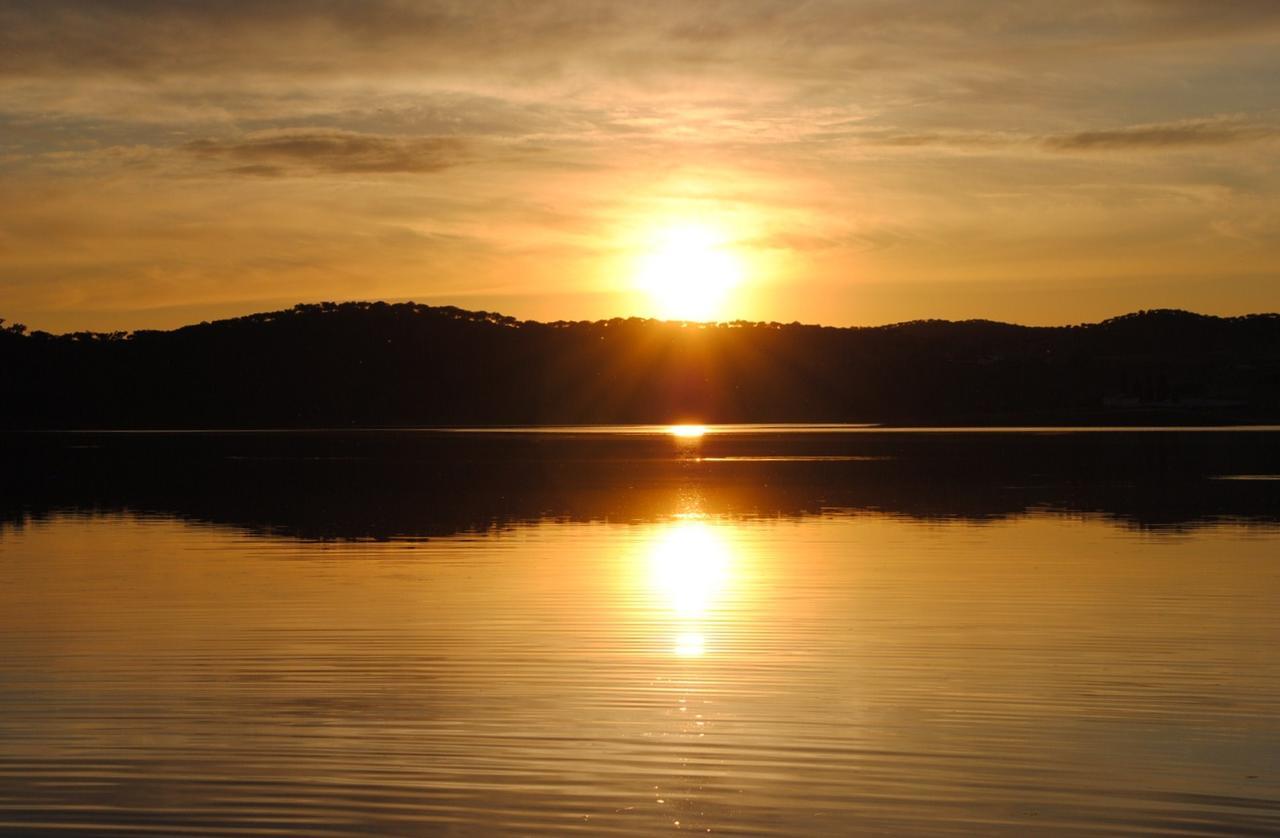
854, 162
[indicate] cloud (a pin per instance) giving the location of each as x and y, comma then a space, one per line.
149, 38
940, 70
280, 152
1153, 137
1156, 137
938, 139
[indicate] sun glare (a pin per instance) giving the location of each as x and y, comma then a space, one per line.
688, 431
689, 272
689, 565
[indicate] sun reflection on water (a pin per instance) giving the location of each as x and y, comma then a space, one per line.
690, 565
690, 644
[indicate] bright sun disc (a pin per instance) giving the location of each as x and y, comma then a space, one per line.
688, 273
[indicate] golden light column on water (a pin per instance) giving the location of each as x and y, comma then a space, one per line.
690, 565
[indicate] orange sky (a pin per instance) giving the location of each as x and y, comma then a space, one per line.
858, 162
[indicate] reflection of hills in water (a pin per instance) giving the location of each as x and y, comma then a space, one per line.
388, 484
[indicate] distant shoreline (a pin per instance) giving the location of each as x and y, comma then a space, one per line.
730, 428
376, 365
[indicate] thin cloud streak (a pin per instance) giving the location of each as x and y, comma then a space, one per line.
1179, 135
287, 151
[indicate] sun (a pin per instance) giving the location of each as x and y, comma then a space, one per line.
689, 272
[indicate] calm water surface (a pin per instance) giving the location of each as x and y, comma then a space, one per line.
822, 637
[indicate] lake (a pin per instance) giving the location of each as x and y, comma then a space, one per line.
782, 630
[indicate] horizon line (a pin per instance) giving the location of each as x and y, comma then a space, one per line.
498, 317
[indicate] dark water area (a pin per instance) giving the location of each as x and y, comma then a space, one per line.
781, 630
389, 484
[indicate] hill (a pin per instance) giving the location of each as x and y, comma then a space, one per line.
379, 364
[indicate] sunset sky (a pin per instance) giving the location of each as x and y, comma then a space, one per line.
856, 162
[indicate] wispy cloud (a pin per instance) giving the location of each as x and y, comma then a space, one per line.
1150, 137
1173, 135
280, 152
939, 139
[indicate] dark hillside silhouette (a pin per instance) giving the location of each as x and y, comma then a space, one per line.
379, 364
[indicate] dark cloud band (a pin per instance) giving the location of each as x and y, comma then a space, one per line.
331, 151
1156, 137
